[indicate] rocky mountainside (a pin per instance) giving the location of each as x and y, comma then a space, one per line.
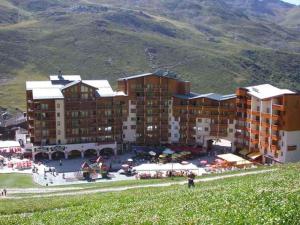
217, 44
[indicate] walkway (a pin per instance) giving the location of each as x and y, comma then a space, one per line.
37, 192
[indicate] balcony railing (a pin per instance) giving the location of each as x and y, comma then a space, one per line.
278, 107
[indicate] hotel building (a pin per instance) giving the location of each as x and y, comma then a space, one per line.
67, 114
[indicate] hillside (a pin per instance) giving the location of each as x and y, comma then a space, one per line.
216, 44
253, 199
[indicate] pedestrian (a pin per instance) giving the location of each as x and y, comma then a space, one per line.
4, 191
60, 162
191, 178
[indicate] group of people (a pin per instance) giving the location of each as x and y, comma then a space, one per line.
4, 192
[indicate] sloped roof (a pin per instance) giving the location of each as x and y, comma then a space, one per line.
212, 96
47, 93
267, 91
71, 84
30, 85
159, 73
97, 83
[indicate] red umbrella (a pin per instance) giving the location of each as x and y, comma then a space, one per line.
203, 162
99, 159
85, 165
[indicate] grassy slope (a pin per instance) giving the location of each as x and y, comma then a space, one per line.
106, 45
16, 181
257, 199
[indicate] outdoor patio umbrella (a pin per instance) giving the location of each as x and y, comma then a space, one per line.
99, 159
203, 162
85, 166
162, 156
152, 153
129, 160
168, 151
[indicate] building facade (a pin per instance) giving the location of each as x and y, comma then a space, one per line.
268, 123
67, 114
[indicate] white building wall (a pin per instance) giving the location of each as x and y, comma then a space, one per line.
130, 133
202, 135
231, 135
290, 138
174, 126
60, 121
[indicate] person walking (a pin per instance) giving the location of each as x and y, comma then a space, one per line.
4, 192
191, 178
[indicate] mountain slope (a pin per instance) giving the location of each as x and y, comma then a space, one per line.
212, 43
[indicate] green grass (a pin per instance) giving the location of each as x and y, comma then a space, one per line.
15, 180
272, 198
83, 43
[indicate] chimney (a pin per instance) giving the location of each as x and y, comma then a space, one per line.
60, 77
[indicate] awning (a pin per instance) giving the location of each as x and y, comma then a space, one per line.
244, 162
243, 152
254, 155
229, 157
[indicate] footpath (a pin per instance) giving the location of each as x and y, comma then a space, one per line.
69, 191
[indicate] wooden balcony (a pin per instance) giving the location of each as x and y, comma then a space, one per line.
275, 117
278, 107
275, 127
266, 115
275, 148
265, 134
240, 127
254, 131
254, 141
264, 124
240, 100
275, 137
242, 110
255, 122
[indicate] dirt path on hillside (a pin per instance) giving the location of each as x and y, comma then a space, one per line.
48, 192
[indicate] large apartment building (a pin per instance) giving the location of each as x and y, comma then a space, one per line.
268, 122
68, 114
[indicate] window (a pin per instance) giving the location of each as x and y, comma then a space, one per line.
108, 129
292, 147
124, 127
200, 128
58, 114
149, 128
206, 128
58, 105
133, 110
84, 88
45, 133
75, 131
133, 127
199, 120
58, 132
58, 123
44, 106
230, 130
